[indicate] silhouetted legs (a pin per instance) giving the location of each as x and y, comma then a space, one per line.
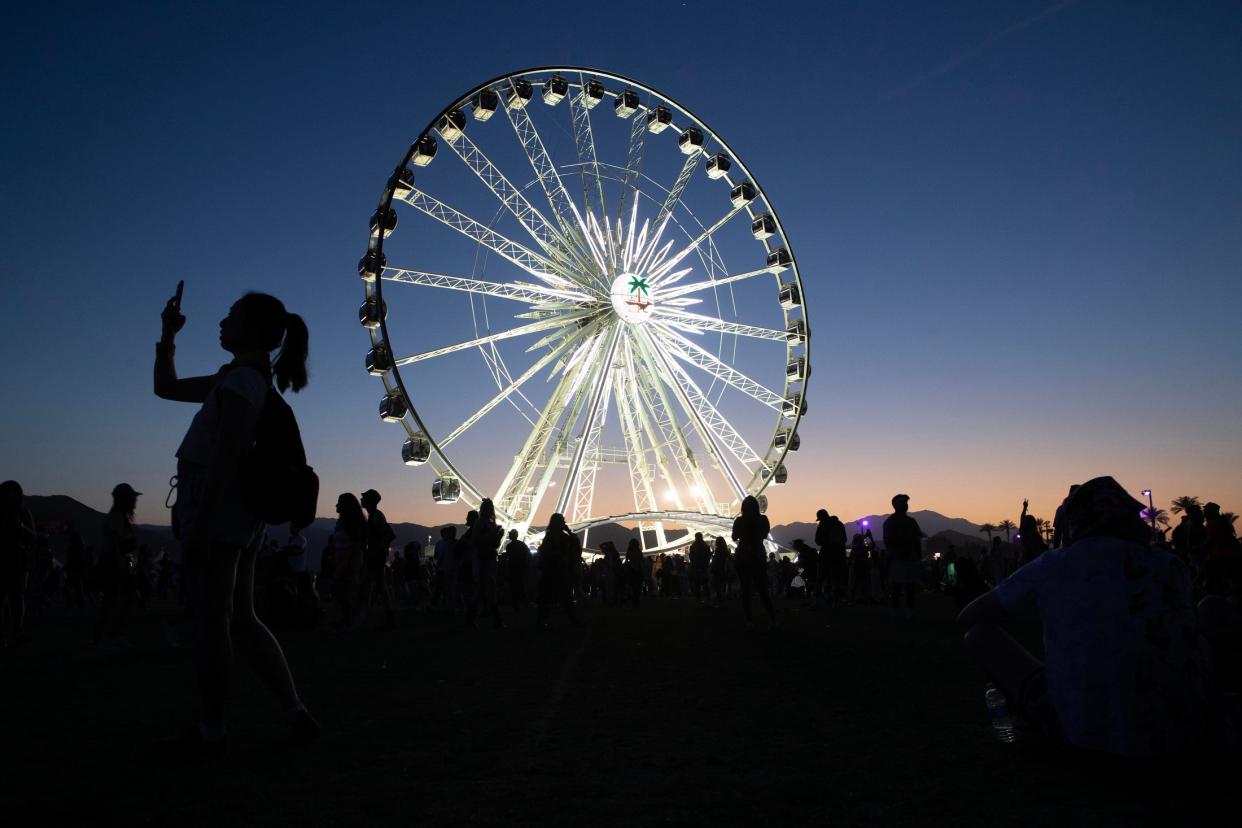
485, 595
896, 593
117, 599
555, 587
373, 581
755, 582
225, 602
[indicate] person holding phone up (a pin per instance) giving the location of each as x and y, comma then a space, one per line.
220, 536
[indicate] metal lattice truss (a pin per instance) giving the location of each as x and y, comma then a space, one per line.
597, 284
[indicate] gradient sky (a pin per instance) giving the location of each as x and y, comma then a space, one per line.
1019, 225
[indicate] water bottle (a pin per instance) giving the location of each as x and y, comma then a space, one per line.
998, 712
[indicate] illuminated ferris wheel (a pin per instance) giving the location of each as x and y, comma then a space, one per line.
590, 308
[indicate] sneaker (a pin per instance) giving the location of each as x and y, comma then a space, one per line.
303, 729
190, 747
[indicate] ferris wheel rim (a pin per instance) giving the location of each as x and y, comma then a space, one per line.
380, 334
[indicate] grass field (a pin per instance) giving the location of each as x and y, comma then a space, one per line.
672, 715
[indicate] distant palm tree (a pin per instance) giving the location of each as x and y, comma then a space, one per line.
1008, 526
989, 529
1229, 517
1157, 515
1183, 503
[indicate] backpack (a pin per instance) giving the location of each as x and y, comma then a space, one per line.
277, 485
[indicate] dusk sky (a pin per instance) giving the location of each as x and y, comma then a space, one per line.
1019, 225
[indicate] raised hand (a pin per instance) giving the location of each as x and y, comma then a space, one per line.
171, 318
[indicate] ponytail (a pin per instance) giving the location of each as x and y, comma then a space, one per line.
290, 365
273, 327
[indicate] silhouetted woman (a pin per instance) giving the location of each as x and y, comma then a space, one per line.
220, 536
114, 571
486, 539
634, 570
17, 537
348, 540
558, 554
750, 529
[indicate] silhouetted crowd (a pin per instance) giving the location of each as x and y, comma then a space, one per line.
1142, 624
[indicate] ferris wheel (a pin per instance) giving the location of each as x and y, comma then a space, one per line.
590, 308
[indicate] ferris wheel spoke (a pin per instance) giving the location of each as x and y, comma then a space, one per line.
707, 284
584, 142
543, 166
515, 492
693, 354
519, 291
580, 480
593, 413
720, 427
635, 453
633, 157
662, 266
697, 322
642, 484
708, 422
584, 491
526, 375
559, 321
657, 409
679, 187
536, 265
510, 197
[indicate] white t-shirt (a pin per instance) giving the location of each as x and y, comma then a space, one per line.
1127, 671
199, 444
233, 523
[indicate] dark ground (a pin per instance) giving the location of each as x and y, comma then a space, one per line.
674, 715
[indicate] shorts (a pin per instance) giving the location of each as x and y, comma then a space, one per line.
235, 525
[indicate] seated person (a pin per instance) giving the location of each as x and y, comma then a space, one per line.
1126, 671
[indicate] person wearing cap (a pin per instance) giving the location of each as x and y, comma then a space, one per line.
904, 541
375, 560
115, 575
1125, 669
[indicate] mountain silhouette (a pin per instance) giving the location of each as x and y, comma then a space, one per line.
61, 514
932, 524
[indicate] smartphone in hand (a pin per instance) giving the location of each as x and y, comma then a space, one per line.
177, 296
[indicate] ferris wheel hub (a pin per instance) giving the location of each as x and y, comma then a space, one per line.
632, 298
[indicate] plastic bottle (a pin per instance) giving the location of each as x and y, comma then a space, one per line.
998, 712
